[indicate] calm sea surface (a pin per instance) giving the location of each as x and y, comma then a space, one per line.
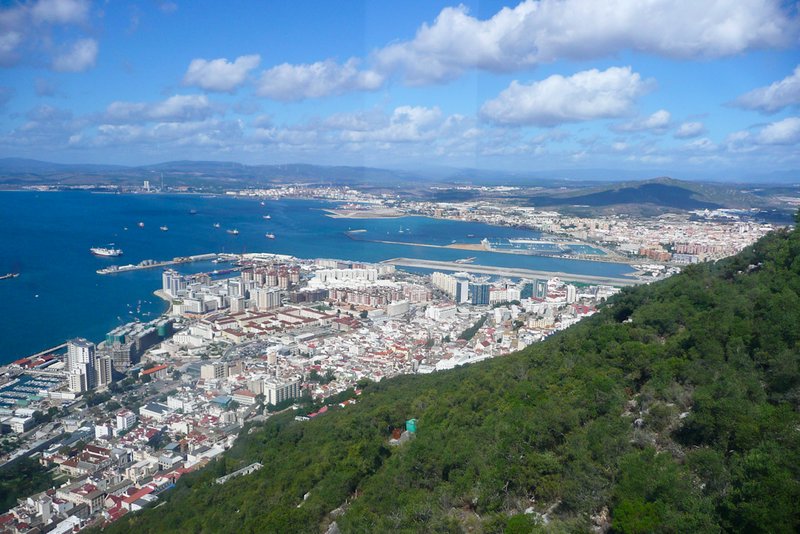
46, 237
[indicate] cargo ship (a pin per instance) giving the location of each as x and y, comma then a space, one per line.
107, 252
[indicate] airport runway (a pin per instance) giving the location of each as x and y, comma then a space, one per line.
512, 272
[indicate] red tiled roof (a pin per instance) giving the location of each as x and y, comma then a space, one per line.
147, 490
155, 369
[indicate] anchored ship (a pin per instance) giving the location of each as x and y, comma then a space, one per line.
102, 251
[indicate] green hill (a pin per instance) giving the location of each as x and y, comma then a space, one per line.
674, 409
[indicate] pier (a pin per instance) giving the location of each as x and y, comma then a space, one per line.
152, 264
513, 272
48, 351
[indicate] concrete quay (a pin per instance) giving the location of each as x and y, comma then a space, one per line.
149, 264
512, 272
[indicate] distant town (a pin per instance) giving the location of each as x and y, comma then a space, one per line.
115, 422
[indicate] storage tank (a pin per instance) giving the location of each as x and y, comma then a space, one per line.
411, 426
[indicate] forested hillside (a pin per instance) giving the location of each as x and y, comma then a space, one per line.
674, 409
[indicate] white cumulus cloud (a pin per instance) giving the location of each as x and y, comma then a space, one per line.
9, 42
79, 57
704, 144
657, 122
586, 95
688, 130
26, 26
783, 132
774, 97
406, 124
177, 108
539, 31
60, 11
299, 82
220, 74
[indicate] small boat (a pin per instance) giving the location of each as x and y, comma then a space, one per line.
233, 232
192, 212
216, 225
269, 236
141, 224
163, 228
9, 275
267, 217
262, 203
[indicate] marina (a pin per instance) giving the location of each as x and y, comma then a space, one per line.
26, 388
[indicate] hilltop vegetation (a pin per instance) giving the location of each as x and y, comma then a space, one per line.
659, 195
674, 409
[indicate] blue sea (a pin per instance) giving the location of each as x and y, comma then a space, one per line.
46, 237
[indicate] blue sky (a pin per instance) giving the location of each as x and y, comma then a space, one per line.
681, 87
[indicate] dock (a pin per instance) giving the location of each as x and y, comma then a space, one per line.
48, 351
153, 264
513, 272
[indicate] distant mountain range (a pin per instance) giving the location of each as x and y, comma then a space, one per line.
545, 189
21, 170
18, 171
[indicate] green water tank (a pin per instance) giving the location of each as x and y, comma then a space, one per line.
115, 338
411, 426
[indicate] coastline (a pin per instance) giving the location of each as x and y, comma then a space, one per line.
100, 303
163, 296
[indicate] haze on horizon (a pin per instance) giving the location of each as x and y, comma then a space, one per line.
676, 85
